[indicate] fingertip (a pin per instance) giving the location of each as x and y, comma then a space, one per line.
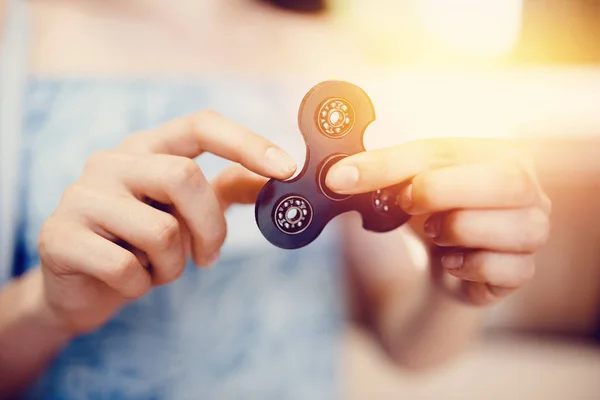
279, 163
200, 261
209, 261
342, 178
207, 248
138, 287
212, 260
197, 261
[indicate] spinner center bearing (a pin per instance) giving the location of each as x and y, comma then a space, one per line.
336, 118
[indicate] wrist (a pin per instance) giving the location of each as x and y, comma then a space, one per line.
39, 310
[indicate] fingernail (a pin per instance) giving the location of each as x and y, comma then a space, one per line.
453, 261
342, 178
406, 199
212, 260
432, 227
279, 161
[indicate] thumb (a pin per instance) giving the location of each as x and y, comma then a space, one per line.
237, 185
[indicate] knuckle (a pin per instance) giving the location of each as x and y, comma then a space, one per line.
426, 192
457, 229
46, 233
523, 154
537, 231
214, 239
199, 120
48, 239
170, 274
527, 271
166, 232
77, 192
135, 289
518, 185
98, 160
546, 203
136, 140
206, 114
123, 268
185, 172
123, 272
219, 236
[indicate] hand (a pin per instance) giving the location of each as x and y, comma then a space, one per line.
137, 212
476, 202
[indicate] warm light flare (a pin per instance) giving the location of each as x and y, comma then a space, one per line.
445, 75
488, 28
433, 32
508, 103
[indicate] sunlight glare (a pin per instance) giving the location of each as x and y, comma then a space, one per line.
487, 28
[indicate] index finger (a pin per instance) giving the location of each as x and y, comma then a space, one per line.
208, 131
371, 170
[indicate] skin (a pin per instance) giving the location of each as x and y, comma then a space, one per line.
480, 212
477, 205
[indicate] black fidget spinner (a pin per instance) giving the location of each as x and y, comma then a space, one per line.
291, 214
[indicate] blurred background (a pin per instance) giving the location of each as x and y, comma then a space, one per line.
526, 69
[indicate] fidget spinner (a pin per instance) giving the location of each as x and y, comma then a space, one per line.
333, 117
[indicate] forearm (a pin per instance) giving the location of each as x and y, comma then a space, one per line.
29, 336
435, 329
419, 325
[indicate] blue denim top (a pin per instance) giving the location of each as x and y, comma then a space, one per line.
264, 323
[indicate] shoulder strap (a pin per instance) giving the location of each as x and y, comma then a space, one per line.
14, 54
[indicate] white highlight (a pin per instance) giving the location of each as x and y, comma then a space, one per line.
488, 28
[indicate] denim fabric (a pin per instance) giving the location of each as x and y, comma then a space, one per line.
14, 59
264, 323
